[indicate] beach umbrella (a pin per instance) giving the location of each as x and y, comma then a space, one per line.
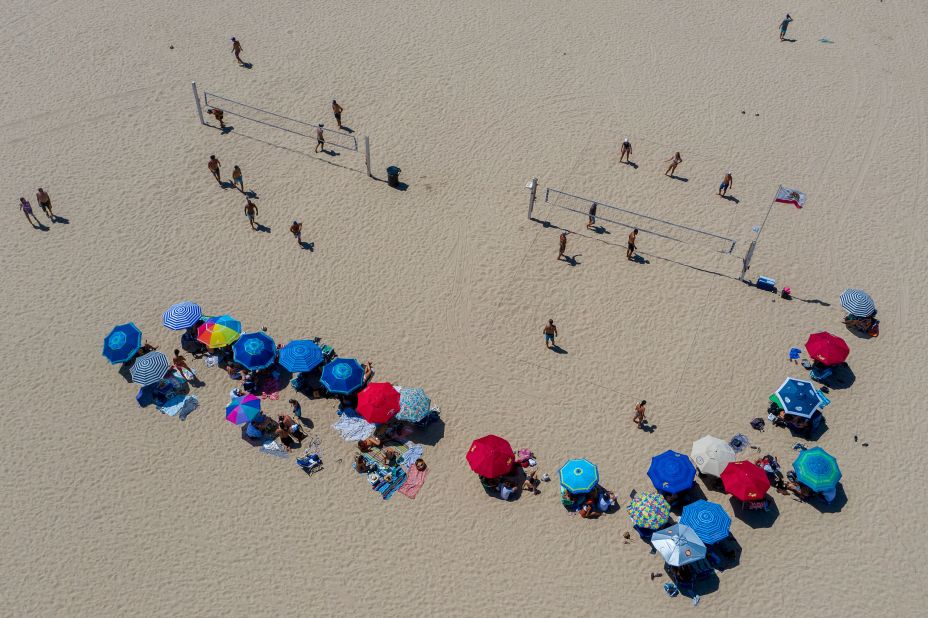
149, 368
708, 519
342, 376
579, 476
798, 397
745, 481
219, 332
671, 472
490, 456
858, 303
300, 355
243, 409
379, 402
649, 510
827, 349
122, 343
414, 405
678, 545
181, 315
254, 350
817, 469
712, 454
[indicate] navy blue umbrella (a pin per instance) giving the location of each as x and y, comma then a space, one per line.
254, 350
300, 355
343, 376
181, 315
122, 343
708, 520
671, 472
149, 368
798, 397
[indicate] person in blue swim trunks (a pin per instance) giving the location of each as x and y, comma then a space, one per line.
726, 184
550, 333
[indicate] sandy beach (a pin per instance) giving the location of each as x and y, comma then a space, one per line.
446, 285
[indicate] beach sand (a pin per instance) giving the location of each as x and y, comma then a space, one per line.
112, 510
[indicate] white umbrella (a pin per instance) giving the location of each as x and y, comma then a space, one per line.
678, 545
712, 454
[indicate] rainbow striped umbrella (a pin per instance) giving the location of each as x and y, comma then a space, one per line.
817, 469
219, 332
243, 409
649, 510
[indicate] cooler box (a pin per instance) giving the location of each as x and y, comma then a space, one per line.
766, 283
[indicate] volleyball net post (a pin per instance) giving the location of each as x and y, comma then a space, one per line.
196, 99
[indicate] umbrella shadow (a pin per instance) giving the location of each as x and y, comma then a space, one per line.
841, 377
712, 483
756, 519
693, 494
834, 506
429, 435
124, 371
724, 555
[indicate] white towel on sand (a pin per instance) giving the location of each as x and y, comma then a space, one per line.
353, 429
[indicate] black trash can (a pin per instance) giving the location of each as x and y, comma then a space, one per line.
393, 176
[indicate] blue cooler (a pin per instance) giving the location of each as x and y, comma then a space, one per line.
766, 283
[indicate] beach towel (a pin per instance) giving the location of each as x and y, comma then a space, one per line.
211, 361
353, 429
271, 447
270, 389
412, 452
414, 481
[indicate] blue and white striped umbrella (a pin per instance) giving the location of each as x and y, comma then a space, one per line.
300, 355
708, 520
857, 303
181, 315
149, 368
254, 350
122, 343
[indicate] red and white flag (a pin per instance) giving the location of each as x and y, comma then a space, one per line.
791, 196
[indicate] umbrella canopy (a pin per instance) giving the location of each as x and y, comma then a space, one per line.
817, 469
798, 397
857, 303
579, 476
181, 315
708, 520
678, 545
414, 405
379, 402
671, 472
300, 355
712, 454
342, 376
254, 350
490, 456
745, 481
243, 409
649, 510
219, 332
122, 343
827, 349
149, 368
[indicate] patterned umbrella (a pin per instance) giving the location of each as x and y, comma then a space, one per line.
678, 545
254, 350
649, 510
149, 368
122, 343
708, 519
300, 355
671, 472
342, 376
827, 349
379, 402
219, 332
798, 397
490, 456
712, 454
414, 405
181, 315
243, 409
858, 303
745, 481
579, 476
817, 469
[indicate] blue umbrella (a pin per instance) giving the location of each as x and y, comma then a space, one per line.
300, 355
817, 469
671, 472
708, 519
798, 397
149, 368
254, 350
343, 376
122, 343
181, 315
579, 476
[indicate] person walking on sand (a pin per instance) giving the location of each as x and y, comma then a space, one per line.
337, 110
632, 238
297, 230
237, 51
216, 113
550, 332
237, 178
726, 184
626, 151
592, 218
213, 166
26, 207
639, 418
784, 25
45, 203
674, 161
320, 138
562, 246
251, 212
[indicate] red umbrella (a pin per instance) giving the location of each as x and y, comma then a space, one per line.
490, 456
379, 402
827, 349
745, 481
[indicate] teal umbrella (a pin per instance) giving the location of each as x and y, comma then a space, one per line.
414, 405
817, 469
579, 476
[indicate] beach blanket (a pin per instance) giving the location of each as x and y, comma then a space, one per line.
180, 406
272, 447
353, 429
412, 452
414, 481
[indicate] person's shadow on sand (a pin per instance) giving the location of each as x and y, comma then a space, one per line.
308, 246
731, 198
557, 349
638, 259
572, 259
259, 227
630, 164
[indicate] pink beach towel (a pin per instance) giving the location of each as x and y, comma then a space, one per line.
414, 481
270, 389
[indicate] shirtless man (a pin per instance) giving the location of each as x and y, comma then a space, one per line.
368, 372
726, 184
180, 363
45, 203
297, 230
639, 418
626, 151
26, 207
237, 50
337, 110
251, 210
630, 253
218, 115
213, 166
237, 178
550, 332
320, 138
784, 25
674, 161
562, 247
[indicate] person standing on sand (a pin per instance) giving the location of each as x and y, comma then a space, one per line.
726, 184
320, 138
639, 418
674, 161
550, 332
337, 110
237, 50
632, 238
784, 25
180, 363
251, 212
562, 247
237, 178
592, 219
626, 151
213, 166
216, 113
26, 207
297, 230
45, 203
